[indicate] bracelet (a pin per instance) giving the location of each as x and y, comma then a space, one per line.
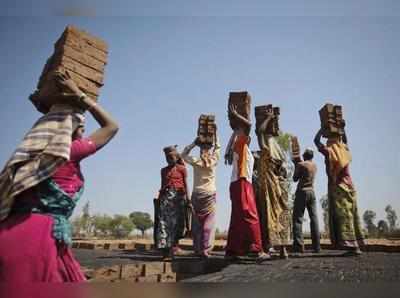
82, 97
92, 106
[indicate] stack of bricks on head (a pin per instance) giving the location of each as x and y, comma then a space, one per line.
295, 146
206, 129
241, 101
261, 114
83, 56
332, 122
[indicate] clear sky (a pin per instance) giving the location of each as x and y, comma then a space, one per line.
165, 71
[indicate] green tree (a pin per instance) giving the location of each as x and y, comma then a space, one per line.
383, 228
369, 218
102, 223
284, 140
391, 217
121, 226
141, 220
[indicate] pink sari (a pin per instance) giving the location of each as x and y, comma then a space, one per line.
28, 250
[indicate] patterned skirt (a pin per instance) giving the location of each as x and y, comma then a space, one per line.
272, 204
170, 219
344, 222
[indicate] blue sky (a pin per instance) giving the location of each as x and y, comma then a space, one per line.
165, 71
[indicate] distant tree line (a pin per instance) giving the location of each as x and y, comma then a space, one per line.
107, 226
384, 228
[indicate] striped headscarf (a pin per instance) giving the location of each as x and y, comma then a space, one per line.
45, 147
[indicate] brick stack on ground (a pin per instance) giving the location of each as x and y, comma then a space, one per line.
155, 272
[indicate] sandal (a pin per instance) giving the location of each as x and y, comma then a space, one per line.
262, 257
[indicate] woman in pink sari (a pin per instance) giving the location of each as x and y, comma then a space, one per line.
40, 186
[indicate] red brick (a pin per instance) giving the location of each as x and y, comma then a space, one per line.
83, 47
153, 268
107, 274
131, 271
74, 32
169, 277
81, 57
84, 71
150, 279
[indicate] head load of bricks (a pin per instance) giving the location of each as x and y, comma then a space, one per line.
241, 101
261, 113
84, 56
332, 122
206, 130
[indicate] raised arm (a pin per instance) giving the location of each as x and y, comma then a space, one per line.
109, 126
216, 152
317, 139
344, 137
260, 131
246, 122
186, 153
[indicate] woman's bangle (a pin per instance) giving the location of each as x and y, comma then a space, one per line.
92, 106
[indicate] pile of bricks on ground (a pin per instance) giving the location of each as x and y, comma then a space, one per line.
373, 245
129, 245
153, 272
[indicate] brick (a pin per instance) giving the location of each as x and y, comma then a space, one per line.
111, 246
98, 245
130, 246
242, 101
107, 274
81, 57
153, 268
273, 125
150, 279
90, 246
332, 122
85, 71
167, 267
206, 129
143, 246
83, 47
169, 277
131, 271
295, 148
73, 32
